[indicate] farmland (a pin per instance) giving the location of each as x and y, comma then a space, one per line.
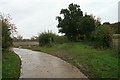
32, 43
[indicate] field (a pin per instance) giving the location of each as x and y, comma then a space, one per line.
116, 40
92, 62
34, 43
25, 43
10, 65
116, 43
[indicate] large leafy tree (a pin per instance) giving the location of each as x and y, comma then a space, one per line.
68, 24
74, 24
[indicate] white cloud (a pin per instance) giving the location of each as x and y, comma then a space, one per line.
34, 16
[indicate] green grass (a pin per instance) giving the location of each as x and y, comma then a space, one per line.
10, 65
92, 62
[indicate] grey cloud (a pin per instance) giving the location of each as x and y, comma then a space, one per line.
35, 16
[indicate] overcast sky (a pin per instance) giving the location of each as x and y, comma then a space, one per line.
34, 16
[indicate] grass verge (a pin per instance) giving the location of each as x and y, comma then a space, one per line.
10, 65
94, 63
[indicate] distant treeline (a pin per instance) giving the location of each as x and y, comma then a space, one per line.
116, 27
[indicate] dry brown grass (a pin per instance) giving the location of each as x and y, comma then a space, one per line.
116, 43
116, 34
25, 43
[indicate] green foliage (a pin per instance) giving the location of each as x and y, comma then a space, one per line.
49, 39
102, 36
74, 24
46, 38
6, 39
61, 39
92, 62
86, 25
68, 24
10, 65
107, 23
7, 30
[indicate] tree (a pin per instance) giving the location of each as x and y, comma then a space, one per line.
97, 21
68, 24
86, 25
7, 31
74, 24
106, 23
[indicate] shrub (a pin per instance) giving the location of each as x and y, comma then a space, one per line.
60, 39
46, 38
7, 30
102, 36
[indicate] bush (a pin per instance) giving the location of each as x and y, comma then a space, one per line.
60, 39
7, 29
49, 39
46, 39
102, 36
